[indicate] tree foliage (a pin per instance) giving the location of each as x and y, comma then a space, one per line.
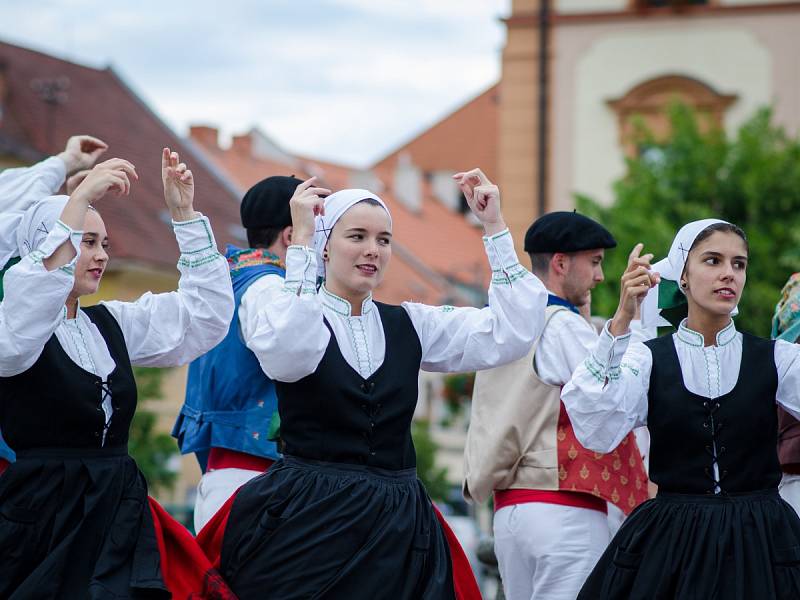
151, 449
751, 179
434, 478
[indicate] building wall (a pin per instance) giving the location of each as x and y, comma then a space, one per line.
752, 56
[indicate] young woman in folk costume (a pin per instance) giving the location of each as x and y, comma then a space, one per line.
75, 520
343, 514
717, 528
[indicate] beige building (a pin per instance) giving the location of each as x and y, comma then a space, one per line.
576, 72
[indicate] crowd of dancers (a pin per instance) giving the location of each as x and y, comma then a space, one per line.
302, 388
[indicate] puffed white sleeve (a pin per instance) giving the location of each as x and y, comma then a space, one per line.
33, 305
21, 187
787, 361
174, 328
469, 339
606, 397
283, 326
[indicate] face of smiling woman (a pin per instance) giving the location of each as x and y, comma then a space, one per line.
358, 252
94, 256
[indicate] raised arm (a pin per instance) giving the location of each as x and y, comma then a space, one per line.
286, 331
174, 328
607, 395
37, 288
466, 339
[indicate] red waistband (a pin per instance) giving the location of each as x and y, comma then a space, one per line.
3, 465
503, 498
222, 458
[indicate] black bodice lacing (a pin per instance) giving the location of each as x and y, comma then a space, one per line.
104, 388
715, 451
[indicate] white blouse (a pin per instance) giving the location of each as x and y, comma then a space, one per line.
607, 395
160, 330
285, 329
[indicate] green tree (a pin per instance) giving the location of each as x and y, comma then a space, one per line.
151, 449
434, 478
751, 179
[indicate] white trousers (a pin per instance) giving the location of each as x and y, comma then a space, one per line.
789, 489
546, 551
214, 489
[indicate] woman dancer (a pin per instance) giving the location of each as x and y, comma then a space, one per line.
343, 514
717, 528
74, 515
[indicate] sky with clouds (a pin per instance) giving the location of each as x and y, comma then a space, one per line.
344, 80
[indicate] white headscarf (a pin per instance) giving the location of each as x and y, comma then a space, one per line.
37, 222
671, 269
335, 206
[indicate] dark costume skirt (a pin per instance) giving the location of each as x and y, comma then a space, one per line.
676, 546
79, 524
308, 529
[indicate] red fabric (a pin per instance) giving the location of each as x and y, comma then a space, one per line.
463, 577
503, 498
3, 465
222, 458
618, 477
187, 572
210, 537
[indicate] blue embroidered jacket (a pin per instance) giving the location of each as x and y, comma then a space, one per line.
230, 402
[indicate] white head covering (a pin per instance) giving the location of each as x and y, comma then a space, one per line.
335, 206
37, 222
671, 269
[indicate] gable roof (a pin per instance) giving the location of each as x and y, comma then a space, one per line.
98, 102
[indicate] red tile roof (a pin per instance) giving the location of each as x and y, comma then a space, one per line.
98, 102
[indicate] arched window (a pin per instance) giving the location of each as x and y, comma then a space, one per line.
649, 100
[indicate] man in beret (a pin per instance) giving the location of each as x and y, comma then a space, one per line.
551, 495
230, 415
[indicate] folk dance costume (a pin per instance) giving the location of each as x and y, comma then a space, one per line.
717, 528
786, 326
75, 518
19, 189
230, 416
343, 514
550, 493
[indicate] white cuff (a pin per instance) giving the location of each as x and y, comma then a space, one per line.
196, 242
503, 259
301, 270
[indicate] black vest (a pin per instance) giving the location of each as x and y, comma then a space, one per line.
336, 415
742, 425
57, 404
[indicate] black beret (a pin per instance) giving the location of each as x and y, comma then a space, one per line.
566, 232
266, 204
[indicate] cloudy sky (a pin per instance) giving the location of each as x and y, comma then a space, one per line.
347, 80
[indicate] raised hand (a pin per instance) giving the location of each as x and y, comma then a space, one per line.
75, 180
81, 152
306, 203
178, 186
483, 198
113, 175
636, 281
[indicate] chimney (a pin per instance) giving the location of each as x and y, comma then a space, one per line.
205, 136
242, 144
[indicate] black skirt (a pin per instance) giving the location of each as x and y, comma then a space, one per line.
308, 529
76, 524
734, 547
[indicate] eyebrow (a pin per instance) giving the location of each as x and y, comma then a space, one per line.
719, 255
362, 230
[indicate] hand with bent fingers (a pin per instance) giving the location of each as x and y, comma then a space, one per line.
178, 186
113, 175
637, 280
306, 203
81, 152
483, 198
73, 181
